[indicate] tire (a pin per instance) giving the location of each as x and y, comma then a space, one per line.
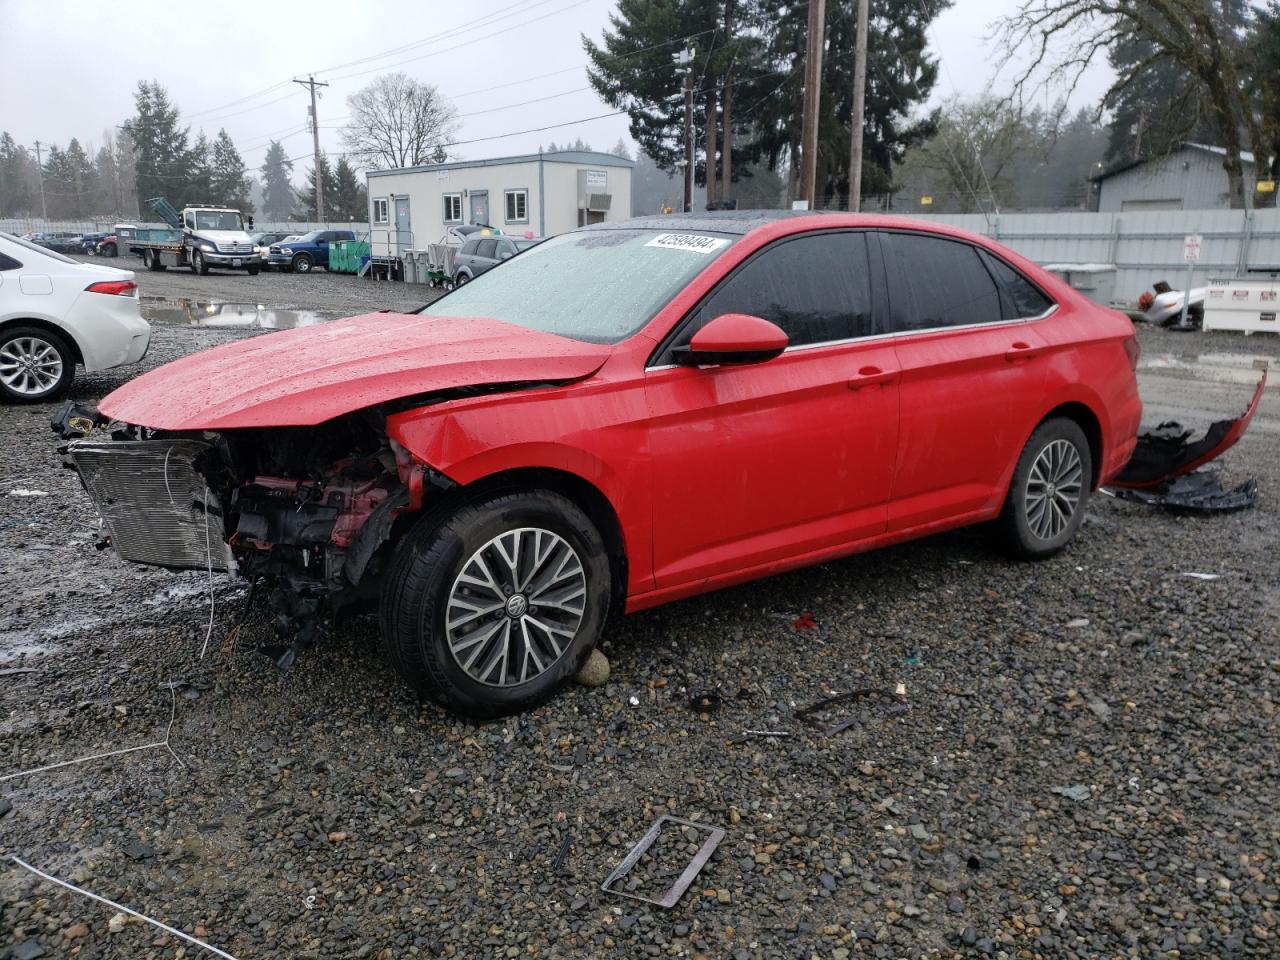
20, 383
198, 264
425, 583
1049, 491
109, 250
459, 280
253, 271
301, 263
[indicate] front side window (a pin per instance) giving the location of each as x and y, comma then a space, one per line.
517, 206
487, 249
936, 282
599, 286
453, 208
380, 214
816, 288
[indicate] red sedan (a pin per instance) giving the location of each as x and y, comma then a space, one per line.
621, 416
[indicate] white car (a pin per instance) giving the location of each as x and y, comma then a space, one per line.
56, 312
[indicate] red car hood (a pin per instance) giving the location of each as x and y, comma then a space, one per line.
311, 374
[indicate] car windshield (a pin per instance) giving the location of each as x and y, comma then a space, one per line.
43, 251
525, 244
600, 286
218, 220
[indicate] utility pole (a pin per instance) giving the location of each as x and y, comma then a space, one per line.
858, 119
812, 98
686, 57
44, 210
315, 140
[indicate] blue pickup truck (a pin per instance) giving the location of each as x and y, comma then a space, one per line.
309, 250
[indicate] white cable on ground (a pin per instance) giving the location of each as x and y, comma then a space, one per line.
133, 913
111, 753
208, 553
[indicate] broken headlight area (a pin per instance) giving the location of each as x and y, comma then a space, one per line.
303, 512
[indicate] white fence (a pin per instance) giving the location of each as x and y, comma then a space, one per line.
1144, 247
21, 226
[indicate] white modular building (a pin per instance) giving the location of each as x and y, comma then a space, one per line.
538, 194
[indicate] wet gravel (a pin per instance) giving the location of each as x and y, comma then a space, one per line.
1086, 764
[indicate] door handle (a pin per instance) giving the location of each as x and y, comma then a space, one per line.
1020, 351
870, 376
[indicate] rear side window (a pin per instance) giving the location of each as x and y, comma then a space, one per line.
469, 247
1020, 299
487, 249
935, 282
816, 288
8, 263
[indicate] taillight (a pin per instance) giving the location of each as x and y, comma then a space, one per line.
1132, 349
114, 288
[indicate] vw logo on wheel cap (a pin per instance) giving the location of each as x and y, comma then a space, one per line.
517, 606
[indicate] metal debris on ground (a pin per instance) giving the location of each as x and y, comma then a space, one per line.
705, 701
110, 753
1202, 576
746, 735
895, 703
804, 622
677, 889
133, 913
1199, 492
557, 865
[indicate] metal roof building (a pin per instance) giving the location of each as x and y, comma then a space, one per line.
1189, 178
538, 193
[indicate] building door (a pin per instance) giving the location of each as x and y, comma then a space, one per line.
480, 206
404, 232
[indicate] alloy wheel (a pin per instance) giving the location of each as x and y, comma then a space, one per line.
30, 366
516, 606
1054, 485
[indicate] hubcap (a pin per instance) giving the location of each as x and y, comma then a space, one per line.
515, 607
29, 366
1053, 489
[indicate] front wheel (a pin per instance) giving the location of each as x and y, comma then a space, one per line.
35, 365
198, 264
493, 609
301, 263
459, 280
253, 271
1049, 490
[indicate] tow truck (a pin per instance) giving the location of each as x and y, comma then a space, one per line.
199, 237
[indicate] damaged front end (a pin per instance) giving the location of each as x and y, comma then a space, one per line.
307, 512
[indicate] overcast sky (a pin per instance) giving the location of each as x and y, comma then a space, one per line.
70, 66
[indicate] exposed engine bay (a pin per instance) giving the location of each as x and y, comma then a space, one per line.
307, 512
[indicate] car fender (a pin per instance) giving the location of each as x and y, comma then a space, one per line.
44, 319
1062, 395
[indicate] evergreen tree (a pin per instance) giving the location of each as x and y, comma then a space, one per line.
163, 160
620, 150
352, 201
1159, 109
19, 187
81, 183
199, 185
230, 186
307, 196
277, 189
58, 184
1264, 49
106, 176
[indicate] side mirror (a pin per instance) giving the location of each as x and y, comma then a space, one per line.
732, 338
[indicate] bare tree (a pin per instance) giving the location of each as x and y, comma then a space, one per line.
1057, 41
398, 121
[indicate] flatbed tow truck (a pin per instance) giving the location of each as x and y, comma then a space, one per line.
200, 237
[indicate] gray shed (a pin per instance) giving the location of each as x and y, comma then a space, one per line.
1189, 178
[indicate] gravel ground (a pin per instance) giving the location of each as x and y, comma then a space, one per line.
1086, 765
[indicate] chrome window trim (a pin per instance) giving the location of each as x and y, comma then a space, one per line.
1053, 308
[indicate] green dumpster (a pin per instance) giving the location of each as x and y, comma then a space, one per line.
345, 255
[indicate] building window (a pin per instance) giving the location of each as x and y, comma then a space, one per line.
453, 208
517, 206
380, 210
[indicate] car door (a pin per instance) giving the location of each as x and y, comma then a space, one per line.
486, 256
753, 464
968, 369
322, 248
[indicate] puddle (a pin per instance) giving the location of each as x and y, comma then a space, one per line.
1217, 367
218, 313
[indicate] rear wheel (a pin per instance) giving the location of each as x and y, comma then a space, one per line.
35, 365
301, 263
1049, 490
492, 609
151, 260
460, 279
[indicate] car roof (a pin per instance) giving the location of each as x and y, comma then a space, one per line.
736, 222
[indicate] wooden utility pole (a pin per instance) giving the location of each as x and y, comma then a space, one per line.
688, 140
726, 114
44, 210
315, 139
858, 119
812, 99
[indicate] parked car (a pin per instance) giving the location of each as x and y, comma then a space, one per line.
56, 312
484, 253
301, 254
60, 241
108, 246
622, 416
263, 240
89, 243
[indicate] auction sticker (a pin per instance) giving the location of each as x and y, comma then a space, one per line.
688, 241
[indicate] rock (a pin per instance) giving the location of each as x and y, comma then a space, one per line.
723, 896
337, 836
1079, 792
968, 936
77, 931
5, 806
27, 950
138, 850
920, 833
117, 922
595, 672
1100, 709
1077, 623
828, 882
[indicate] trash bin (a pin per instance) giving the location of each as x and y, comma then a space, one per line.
1097, 281
410, 266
